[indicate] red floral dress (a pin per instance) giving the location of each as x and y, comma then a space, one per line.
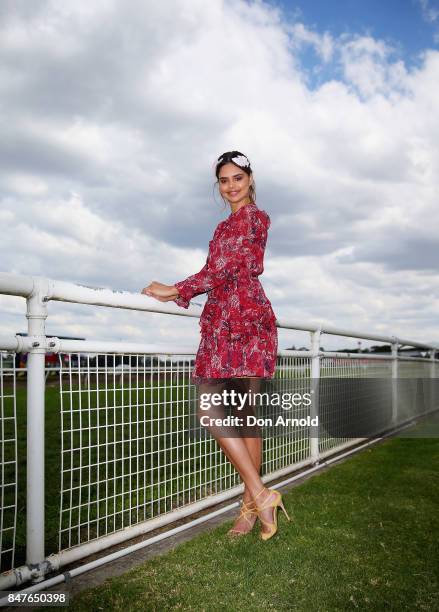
238, 325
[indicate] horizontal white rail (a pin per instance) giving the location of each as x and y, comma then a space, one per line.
53, 344
25, 286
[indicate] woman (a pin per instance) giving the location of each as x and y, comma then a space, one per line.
239, 342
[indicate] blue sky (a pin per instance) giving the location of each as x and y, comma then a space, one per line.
410, 26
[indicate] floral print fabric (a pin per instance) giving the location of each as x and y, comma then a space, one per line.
238, 325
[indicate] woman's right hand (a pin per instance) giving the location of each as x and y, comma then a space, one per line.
161, 292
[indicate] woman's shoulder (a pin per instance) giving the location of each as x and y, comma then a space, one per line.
221, 225
248, 215
257, 215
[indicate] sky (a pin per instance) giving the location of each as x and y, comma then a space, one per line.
113, 113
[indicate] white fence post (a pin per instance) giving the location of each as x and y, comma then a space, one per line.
395, 382
433, 380
315, 387
36, 316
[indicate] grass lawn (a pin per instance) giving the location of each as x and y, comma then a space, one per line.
364, 536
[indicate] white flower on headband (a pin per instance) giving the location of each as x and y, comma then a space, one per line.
241, 161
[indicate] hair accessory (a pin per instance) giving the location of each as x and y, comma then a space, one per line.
241, 161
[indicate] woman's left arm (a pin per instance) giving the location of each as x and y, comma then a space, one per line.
241, 251
244, 249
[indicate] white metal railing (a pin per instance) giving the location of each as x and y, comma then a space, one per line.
126, 465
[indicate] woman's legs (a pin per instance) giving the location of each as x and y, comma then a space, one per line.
251, 436
252, 439
243, 452
229, 440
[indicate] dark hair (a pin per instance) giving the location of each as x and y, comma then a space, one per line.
227, 158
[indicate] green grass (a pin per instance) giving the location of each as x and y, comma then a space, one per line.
364, 536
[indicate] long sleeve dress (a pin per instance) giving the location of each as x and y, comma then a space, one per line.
238, 325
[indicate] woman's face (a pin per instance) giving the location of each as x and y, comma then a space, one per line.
234, 184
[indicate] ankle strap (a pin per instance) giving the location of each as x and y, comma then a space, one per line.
247, 507
263, 489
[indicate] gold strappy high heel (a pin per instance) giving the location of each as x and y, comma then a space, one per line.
266, 535
245, 512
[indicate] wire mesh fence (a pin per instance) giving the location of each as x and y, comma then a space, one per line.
118, 447
8, 460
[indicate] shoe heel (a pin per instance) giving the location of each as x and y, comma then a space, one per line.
281, 504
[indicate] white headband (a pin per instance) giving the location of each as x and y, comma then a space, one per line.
241, 161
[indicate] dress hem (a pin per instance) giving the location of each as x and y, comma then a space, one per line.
198, 380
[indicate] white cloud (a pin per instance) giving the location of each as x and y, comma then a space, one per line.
429, 13
115, 114
367, 65
323, 44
